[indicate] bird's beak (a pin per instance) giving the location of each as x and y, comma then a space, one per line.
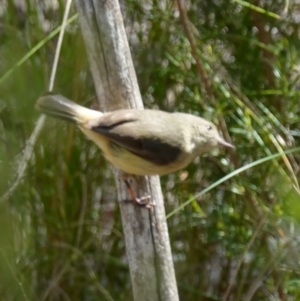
224, 143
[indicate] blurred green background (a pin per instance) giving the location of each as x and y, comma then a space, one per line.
60, 231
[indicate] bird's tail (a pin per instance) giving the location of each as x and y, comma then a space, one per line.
56, 105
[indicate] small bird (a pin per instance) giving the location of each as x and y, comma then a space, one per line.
139, 142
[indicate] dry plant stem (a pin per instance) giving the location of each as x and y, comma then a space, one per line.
268, 57
203, 74
270, 265
145, 230
235, 272
201, 70
268, 268
233, 158
40, 123
59, 43
25, 159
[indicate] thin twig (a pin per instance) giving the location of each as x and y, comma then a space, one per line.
261, 223
40, 123
201, 70
59, 43
25, 158
203, 75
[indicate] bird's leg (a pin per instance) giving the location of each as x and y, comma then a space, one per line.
142, 201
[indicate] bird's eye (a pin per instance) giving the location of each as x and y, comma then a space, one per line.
209, 127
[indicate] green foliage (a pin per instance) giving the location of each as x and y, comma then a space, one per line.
61, 235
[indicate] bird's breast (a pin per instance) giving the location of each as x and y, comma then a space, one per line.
132, 163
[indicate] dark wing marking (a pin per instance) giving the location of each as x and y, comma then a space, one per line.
155, 151
124, 128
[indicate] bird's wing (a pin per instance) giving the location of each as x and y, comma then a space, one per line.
145, 137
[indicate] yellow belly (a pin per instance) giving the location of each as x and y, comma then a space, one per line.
127, 161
